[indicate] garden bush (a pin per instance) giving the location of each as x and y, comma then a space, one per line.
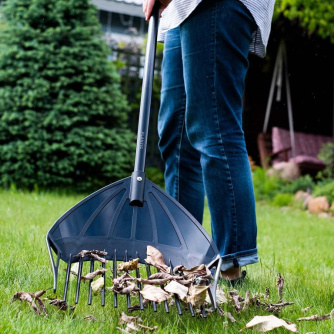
265, 186
326, 154
282, 199
304, 183
62, 114
325, 189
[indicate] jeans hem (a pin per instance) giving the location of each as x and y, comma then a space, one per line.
239, 259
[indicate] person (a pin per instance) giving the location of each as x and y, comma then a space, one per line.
201, 140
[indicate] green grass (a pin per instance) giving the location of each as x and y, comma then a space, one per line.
290, 242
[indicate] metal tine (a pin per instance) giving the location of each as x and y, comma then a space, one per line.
56, 273
103, 295
78, 281
212, 301
177, 301
203, 311
128, 300
90, 283
115, 276
165, 302
139, 286
67, 277
148, 271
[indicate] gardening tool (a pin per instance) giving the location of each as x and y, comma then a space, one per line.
123, 218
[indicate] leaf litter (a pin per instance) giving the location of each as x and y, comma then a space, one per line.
190, 285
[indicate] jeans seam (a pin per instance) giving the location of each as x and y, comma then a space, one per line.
177, 179
220, 140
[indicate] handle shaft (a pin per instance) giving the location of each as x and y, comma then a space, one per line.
138, 175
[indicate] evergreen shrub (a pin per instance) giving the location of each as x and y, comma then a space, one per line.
62, 114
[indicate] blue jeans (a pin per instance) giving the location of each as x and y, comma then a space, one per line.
200, 124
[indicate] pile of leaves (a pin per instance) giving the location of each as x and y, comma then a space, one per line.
187, 286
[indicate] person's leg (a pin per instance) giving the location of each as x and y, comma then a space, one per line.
215, 40
183, 177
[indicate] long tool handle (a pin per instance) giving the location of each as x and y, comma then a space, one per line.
138, 175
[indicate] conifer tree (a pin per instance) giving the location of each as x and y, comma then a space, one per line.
62, 114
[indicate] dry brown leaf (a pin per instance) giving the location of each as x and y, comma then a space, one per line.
92, 275
246, 301
90, 317
268, 323
39, 294
200, 270
74, 271
125, 277
178, 289
220, 297
154, 293
146, 328
162, 275
125, 319
127, 288
31, 299
280, 286
97, 285
130, 265
304, 310
197, 294
94, 254
227, 314
317, 317
156, 259
132, 327
61, 304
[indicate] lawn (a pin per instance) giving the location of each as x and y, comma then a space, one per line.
290, 242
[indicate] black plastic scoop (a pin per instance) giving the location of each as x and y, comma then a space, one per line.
125, 217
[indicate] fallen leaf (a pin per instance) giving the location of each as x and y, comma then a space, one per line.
280, 286
127, 266
74, 271
178, 289
268, 323
200, 270
225, 314
94, 254
30, 298
90, 317
146, 328
92, 275
126, 288
154, 293
128, 319
161, 281
39, 293
317, 317
61, 304
156, 259
246, 301
125, 277
304, 310
97, 285
197, 294
220, 297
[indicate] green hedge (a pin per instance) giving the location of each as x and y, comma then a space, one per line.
62, 114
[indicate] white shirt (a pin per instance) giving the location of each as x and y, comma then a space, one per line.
262, 11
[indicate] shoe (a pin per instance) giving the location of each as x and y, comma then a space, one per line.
234, 282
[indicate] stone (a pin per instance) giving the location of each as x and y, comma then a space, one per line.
302, 197
318, 204
286, 170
